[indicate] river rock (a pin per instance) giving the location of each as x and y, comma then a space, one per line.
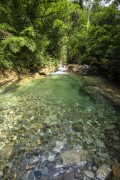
10, 164
60, 177
85, 69
74, 156
29, 176
69, 175
28, 167
86, 178
89, 174
46, 70
37, 173
75, 68
94, 168
33, 160
10, 74
44, 178
59, 146
116, 170
51, 157
1, 174
103, 172
36, 75
77, 174
77, 127
7, 152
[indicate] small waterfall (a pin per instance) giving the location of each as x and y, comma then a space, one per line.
63, 69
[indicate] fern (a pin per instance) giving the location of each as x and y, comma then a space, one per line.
7, 27
16, 43
28, 32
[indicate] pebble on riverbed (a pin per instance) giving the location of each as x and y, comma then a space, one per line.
29, 176
33, 160
89, 174
7, 152
74, 156
59, 146
1, 174
103, 172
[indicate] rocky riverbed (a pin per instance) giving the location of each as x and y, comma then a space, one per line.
57, 128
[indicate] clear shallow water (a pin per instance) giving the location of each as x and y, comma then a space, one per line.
56, 114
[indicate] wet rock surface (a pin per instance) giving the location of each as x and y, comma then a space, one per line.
74, 156
1, 174
116, 170
103, 172
89, 174
7, 152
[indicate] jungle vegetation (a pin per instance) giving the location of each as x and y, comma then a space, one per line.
39, 33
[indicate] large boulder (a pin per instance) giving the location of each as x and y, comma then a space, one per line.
85, 69
36, 75
82, 69
74, 67
46, 70
10, 74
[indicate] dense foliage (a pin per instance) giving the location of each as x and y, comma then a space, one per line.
38, 33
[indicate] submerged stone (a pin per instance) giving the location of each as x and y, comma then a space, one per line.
89, 174
51, 157
37, 173
1, 174
74, 156
77, 127
29, 176
69, 175
28, 167
86, 178
103, 172
7, 152
59, 146
10, 164
44, 178
94, 168
33, 160
116, 170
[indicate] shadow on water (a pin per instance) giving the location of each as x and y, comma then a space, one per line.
12, 87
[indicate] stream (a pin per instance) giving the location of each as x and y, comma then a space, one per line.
56, 129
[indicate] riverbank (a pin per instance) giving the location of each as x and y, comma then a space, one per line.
10, 80
105, 88
11, 75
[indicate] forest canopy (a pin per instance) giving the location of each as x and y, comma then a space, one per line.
40, 33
